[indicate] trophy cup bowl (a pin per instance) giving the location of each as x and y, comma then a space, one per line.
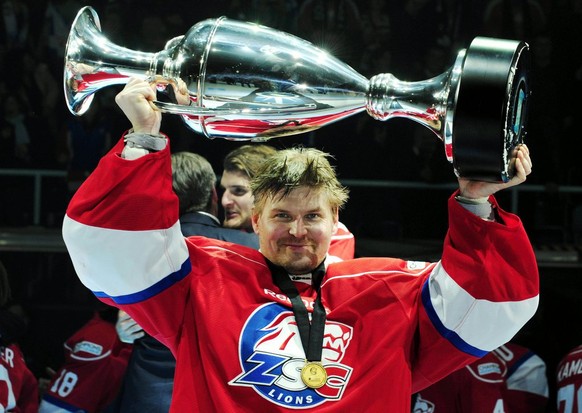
250, 82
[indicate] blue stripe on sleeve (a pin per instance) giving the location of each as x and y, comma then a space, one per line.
450, 335
158, 287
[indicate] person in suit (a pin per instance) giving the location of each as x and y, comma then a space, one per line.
194, 182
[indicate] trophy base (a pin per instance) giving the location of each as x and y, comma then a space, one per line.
490, 113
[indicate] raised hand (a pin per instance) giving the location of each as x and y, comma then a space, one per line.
478, 189
135, 100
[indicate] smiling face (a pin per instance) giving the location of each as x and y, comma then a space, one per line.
237, 200
295, 230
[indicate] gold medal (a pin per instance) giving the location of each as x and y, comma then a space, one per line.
313, 375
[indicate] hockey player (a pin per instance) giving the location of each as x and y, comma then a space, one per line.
509, 379
18, 385
569, 382
94, 365
281, 329
239, 167
526, 384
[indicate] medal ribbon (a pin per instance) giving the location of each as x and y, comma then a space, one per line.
311, 333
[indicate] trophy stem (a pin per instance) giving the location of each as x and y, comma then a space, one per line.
429, 102
424, 101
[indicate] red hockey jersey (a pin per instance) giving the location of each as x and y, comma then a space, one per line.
393, 327
476, 388
569, 382
343, 244
18, 386
510, 379
91, 375
526, 384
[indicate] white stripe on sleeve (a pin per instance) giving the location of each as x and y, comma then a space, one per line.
120, 263
482, 324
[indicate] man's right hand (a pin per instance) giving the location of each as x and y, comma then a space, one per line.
135, 100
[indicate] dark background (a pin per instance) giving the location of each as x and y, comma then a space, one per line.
412, 39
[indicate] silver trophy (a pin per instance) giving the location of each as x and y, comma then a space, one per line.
250, 82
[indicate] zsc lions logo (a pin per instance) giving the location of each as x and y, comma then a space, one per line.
271, 359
